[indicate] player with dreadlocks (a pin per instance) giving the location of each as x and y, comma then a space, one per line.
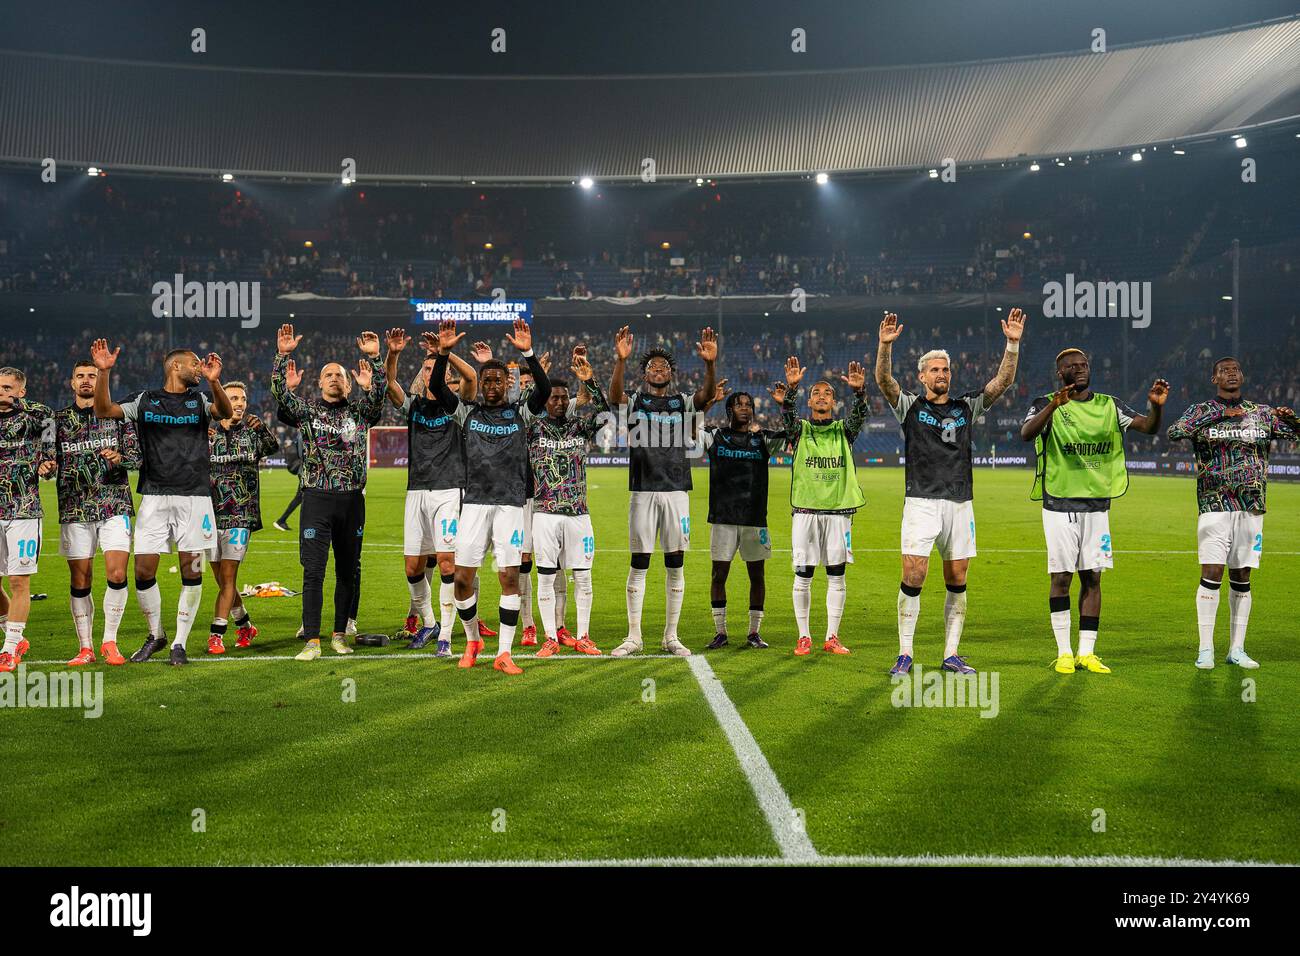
660, 429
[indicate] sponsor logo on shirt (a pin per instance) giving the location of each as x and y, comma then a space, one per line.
1250, 433
477, 426
158, 418
1086, 448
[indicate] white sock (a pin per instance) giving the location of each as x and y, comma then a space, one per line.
1061, 630
802, 604
954, 619
582, 595
13, 634
150, 600
909, 609
187, 608
720, 618
755, 619
1207, 609
83, 619
561, 597
1238, 618
837, 592
421, 599
635, 601
506, 639
447, 604
471, 622
526, 598
674, 593
546, 603
114, 608
1087, 642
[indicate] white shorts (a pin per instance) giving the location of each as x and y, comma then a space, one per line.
939, 523
232, 545
501, 526
79, 540
1234, 538
1077, 541
563, 541
20, 545
754, 544
429, 526
528, 526
185, 521
821, 539
662, 514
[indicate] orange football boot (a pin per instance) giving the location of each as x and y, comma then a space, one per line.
565, 638
484, 630
833, 645
21, 650
585, 645
549, 648
505, 665
470, 657
530, 637
7, 662
216, 645
804, 647
84, 656
111, 653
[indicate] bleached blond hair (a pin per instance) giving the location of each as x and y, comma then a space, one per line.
930, 356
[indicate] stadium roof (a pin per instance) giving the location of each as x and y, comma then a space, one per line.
127, 116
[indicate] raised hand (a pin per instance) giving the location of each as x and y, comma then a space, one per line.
396, 339
293, 375
793, 373
890, 328
211, 367
285, 340
721, 392
707, 347
777, 391
368, 342
1285, 413
101, 356
1062, 397
623, 343
856, 378
522, 339
480, 352
1013, 326
545, 362
47, 467
579, 365
363, 375
1159, 392
448, 338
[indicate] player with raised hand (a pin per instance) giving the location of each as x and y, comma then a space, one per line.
1078, 437
563, 538
824, 495
95, 510
1230, 437
435, 477
174, 482
660, 428
937, 507
237, 445
334, 427
26, 455
496, 483
738, 457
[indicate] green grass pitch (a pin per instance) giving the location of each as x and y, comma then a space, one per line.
605, 759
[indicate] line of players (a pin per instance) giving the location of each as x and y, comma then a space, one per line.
485, 471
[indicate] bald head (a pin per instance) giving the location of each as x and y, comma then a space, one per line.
334, 382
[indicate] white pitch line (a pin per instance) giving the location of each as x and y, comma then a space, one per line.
787, 826
955, 860
397, 549
342, 658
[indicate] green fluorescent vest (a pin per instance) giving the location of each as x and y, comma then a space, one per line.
1083, 454
824, 477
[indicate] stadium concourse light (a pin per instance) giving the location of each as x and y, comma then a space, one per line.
934, 174
1180, 152
822, 179
585, 182
1033, 167
92, 171
1136, 157
227, 178
699, 182
1241, 142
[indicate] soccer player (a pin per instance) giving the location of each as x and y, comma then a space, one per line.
824, 495
660, 426
1078, 437
496, 483
1230, 437
236, 445
435, 477
95, 510
738, 456
26, 455
334, 466
174, 484
563, 538
937, 508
